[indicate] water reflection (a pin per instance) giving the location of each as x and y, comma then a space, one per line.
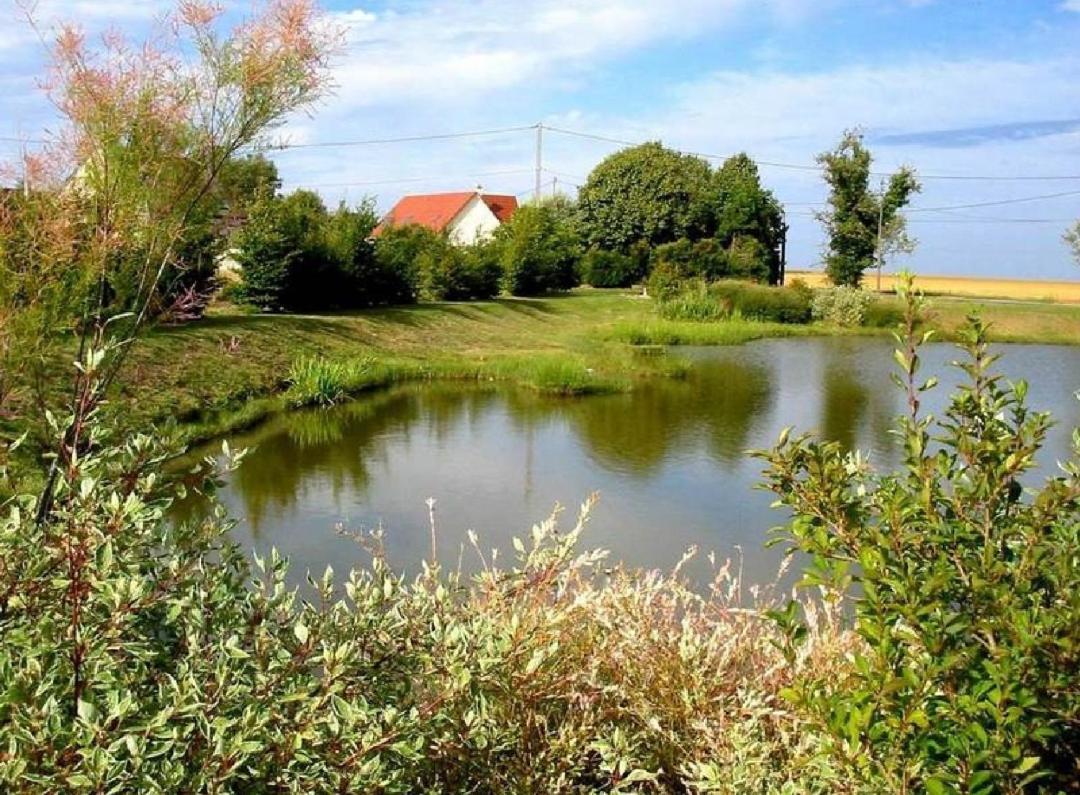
668, 459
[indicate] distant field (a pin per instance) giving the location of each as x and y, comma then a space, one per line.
1022, 289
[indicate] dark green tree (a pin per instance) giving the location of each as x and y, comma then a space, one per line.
746, 209
861, 224
312, 273
398, 250
265, 251
647, 193
360, 277
540, 249
243, 179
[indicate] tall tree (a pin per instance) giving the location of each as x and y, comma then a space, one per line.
746, 209
861, 224
244, 179
646, 193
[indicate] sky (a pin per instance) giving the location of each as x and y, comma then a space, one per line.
954, 88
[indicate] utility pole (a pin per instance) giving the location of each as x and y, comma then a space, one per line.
539, 157
554, 186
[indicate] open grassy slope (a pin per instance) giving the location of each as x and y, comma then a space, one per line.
231, 369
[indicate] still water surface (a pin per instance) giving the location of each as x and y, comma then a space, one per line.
668, 460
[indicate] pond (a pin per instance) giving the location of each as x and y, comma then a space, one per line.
668, 460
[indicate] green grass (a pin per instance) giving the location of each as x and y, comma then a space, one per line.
734, 331
231, 370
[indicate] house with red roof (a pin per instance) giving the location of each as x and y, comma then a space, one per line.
465, 217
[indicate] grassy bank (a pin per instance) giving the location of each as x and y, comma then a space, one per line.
231, 369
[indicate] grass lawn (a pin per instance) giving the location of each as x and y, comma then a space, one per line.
218, 374
231, 369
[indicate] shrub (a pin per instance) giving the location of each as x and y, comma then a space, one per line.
966, 593
601, 268
540, 250
748, 259
283, 257
883, 313
265, 252
453, 273
745, 259
398, 250
800, 286
483, 272
697, 300
710, 260
435, 268
758, 302
841, 306
442, 270
142, 655
675, 257
665, 281
362, 277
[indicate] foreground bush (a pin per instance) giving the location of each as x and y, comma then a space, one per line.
966, 591
295, 256
139, 656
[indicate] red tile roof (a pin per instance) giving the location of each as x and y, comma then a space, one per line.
437, 210
503, 207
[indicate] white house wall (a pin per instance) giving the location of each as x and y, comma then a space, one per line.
475, 221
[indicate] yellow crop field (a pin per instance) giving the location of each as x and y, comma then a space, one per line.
973, 286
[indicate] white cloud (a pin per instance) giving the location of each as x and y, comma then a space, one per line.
452, 51
1071, 5
789, 117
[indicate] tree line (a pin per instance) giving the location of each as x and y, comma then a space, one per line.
639, 206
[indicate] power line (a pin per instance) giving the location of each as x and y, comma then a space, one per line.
808, 167
440, 177
998, 203
284, 147
968, 220
566, 174
974, 205
402, 139
547, 184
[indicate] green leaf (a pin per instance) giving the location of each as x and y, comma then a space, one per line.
87, 711
300, 630
1026, 764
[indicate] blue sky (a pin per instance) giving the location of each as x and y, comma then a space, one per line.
955, 88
